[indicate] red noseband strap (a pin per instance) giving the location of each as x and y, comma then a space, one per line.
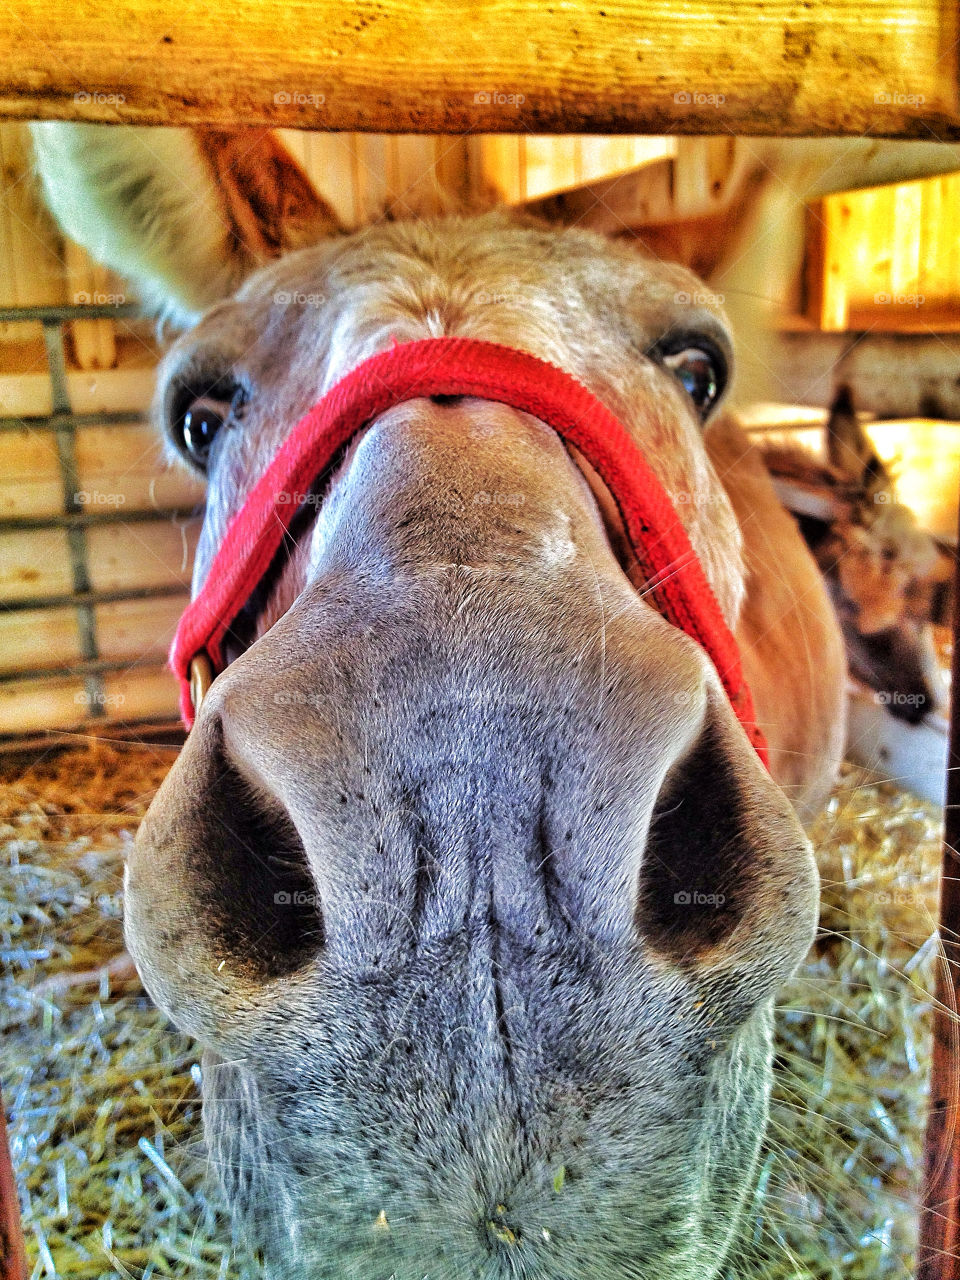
463, 366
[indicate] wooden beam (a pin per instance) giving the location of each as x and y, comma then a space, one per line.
938, 1252
787, 67
661, 193
13, 1263
894, 375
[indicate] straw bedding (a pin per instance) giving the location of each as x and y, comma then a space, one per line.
103, 1095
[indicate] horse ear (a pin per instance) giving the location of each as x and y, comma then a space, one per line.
849, 448
270, 201
186, 215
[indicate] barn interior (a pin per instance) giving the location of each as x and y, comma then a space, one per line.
854, 286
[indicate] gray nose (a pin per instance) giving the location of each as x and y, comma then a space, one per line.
469, 722
359, 814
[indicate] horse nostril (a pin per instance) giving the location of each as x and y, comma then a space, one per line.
274, 921
727, 877
223, 860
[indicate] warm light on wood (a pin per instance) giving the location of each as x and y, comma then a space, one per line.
525, 168
512, 66
890, 257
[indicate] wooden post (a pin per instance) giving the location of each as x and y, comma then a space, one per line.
13, 1262
938, 1256
774, 67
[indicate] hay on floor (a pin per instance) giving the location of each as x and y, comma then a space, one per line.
103, 1094
841, 1181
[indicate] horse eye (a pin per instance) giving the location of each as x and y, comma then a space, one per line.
700, 372
199, 424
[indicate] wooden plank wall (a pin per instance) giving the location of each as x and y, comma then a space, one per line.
119, 472
888, 259
514, 168
366, 176
30, 264
121, 475
369, 176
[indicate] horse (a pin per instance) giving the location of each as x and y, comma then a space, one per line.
467, 878
880, 567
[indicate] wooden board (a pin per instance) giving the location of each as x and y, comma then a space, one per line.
30, 268
142, 694
146, 692
452, 66
521, 168
701, 177
93, 342
119, 469
25, 382
34, 564
365, 177
132, 631
32, 638
894, 375
30, 483
125, 557
57, 702
138, 630
124, 468
890, 258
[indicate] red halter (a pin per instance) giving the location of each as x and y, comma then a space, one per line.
489, 371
